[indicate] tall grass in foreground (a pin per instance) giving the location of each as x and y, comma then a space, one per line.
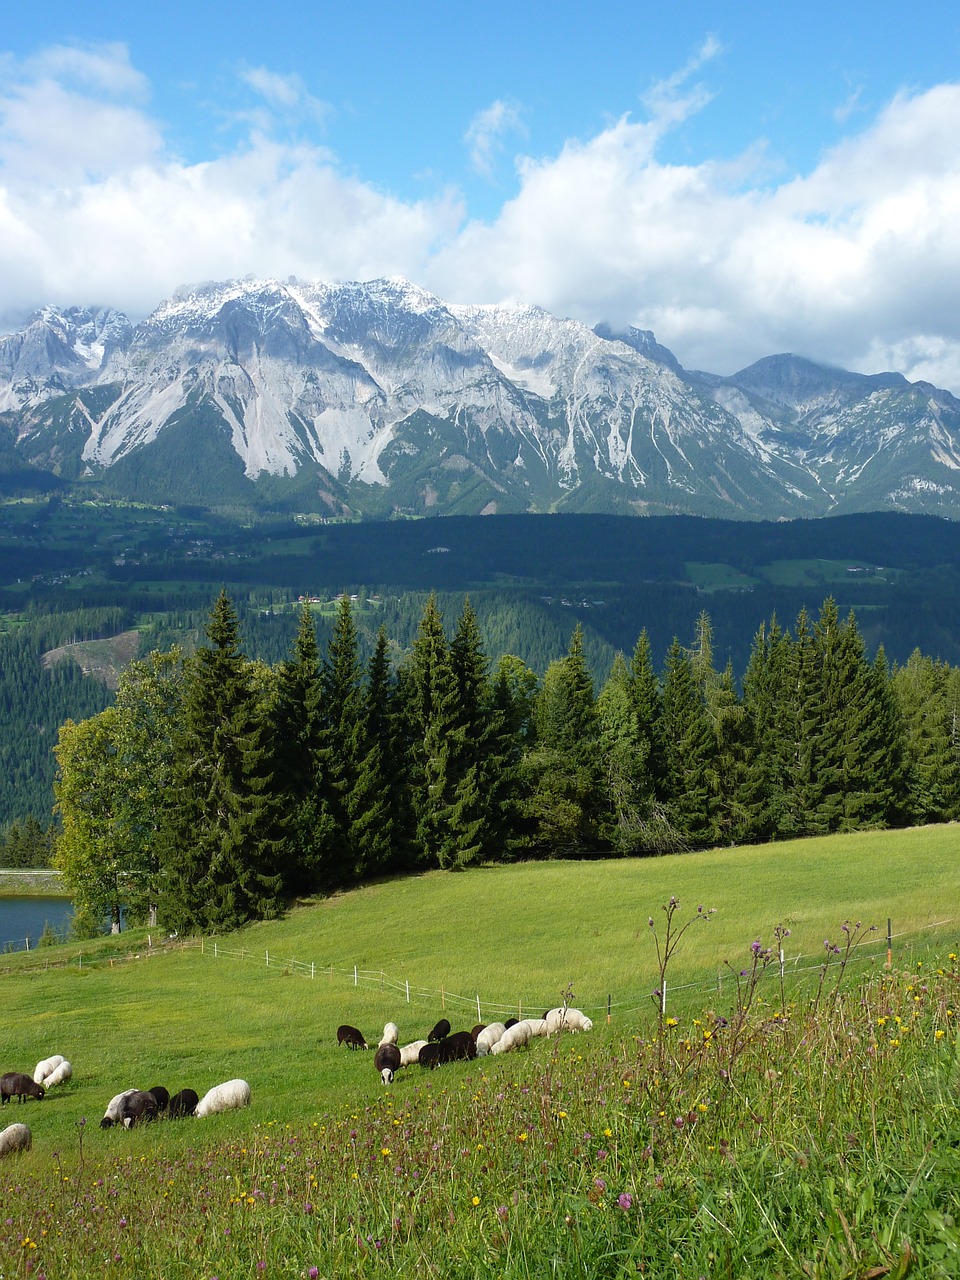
816, 1136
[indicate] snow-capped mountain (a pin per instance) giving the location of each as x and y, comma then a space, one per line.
379, 397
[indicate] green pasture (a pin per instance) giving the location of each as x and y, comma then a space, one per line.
815, 573
265, 1003
719, 577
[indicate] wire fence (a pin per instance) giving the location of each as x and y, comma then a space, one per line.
793, 970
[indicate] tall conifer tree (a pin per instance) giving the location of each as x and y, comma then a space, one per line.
223, 847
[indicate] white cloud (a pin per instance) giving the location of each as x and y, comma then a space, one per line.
94, 209
487, 131
855, 263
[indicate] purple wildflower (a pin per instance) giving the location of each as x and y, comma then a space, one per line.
625, 1200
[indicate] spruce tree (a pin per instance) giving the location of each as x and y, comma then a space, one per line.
376, 796
224, 842
921, 689
298, 740
689, 751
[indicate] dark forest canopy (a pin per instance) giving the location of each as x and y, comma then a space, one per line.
218, 787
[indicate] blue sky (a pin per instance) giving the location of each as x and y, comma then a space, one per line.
740, 178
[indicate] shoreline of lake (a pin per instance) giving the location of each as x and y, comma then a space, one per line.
31, 882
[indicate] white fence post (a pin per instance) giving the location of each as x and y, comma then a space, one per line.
408, 991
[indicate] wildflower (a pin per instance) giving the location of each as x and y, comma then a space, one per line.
939, 1035
521, 1137
314, 1273
608, 1133
385, 1151
475, 1201
502, 1212
625, 1200
600, 1184
671, 1022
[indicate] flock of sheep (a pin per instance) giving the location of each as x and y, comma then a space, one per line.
127, 1108
441, 1046
134, 1106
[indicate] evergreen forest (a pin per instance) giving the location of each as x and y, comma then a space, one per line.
217, 788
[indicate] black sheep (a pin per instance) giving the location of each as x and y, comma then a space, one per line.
430, 1055
161, 1095
136, 1107
387, 1061
17, 1084
440, 1031
182, 1104
351, 1037
458, 1046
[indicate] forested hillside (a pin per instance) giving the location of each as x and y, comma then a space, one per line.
217, 787
74, 572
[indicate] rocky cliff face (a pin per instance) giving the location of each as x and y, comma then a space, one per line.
379, 397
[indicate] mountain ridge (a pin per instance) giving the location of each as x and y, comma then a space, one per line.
379, 398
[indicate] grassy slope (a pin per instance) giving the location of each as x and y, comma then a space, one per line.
515, 935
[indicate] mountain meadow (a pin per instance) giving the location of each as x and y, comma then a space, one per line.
759, 1119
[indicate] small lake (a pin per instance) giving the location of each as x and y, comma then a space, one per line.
25, 918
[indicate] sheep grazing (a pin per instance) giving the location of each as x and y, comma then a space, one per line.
224, 1097
17, 1084
387, 1061
137, 1107
351, 1037
410, 1053
161, 1097
513, 1038
15, 1137
481, 1026
46, 1067
488, 1037
440, 1031
538, 1026
457, 1047
511, 1022
391, 1034
112, 1114
58, 1075
430, 1055
182, 1104
567, 1020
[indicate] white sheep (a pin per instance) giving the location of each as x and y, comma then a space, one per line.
513, 1038
538, 1026
224, 1097
410, 1053
45, 1067
391, 1034
112, 1114
16, 1137
567, 1020
488, 1037
58, 1075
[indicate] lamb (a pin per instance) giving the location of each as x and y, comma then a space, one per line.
456, 1047
112, 1114
63, 1072
224, 1097
45, 1067
182, 1104
410, 1053
391, 1034
440, 1031
567, 1020
17, 1084
16, 1137
488, 1037
351, 1037
161, 1095
513, 1038
387, 1061
138, 1105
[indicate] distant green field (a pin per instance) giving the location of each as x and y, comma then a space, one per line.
718, 577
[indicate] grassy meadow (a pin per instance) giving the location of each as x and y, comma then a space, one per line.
749, 1129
